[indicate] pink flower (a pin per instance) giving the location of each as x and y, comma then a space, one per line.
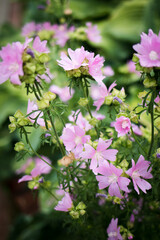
138, 172
97, 115
132, 68
122, 125
65, 93
80, 121
101, 153
110, 176
93, 33
12, 64
103, 93
32, 106
62, 34
40, 46
136, 129
108, 71
157, 99
29, 29
74, 138
65, 204
81, 58
148, 50
113, 230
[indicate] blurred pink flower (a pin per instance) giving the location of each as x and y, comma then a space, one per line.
101, 153
32, 106
29, 29
65, 93
40, 46
108, 71
65, 204
113, 230
93, 33
148, 51
122, 125
132, 68
62, 34
139, 171
80, 121
110, 176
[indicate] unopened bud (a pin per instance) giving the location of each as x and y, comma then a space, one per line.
19, 146
108, 100
44, 103
83, 102
12, 119
12, 127
18, 114
23, 121
81, 206
44, 57
49, 96
82, 212
40, 69
149, 82
93, 121
74, 214
29, 68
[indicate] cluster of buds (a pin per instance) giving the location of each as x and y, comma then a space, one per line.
46, 99
17, 121
78, 210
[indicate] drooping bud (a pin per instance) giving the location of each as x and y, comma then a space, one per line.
19, 146
83, 102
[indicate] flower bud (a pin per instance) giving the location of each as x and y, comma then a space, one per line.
23, 121
74, 214
40, 68
44, 57
83, 102
82, 212
29, 68
149, 82
135, 58
93, 121
49, 96
45, 35
12, 119
44, 103
108, 100
12, 127
19, 146
18, 114
81, 206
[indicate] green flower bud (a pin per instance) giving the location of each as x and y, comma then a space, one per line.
133, 117
44, 103
108, 100
135, 58
83, 102
28, 79
19, 146
18, 114
93, 121
26, 57
44, 57
32, 184
12, 119
149, 82
81, 206
29, 68
49, 96
23, 121
45, 34
40, 68
117, 200
82, 212
12, 127
74, 214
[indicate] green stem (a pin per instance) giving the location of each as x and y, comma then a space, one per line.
49, 192
55, 132
152, 124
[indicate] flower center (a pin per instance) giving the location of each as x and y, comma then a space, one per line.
78, 140
135, 174
98, 155
124, 124
112, 179
13, 67
153, 55
112, 234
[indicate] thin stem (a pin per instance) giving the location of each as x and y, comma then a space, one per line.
38, 89
49, 192
152, 124
55, 132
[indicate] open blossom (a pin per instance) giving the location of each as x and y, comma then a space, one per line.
122, 125
29, 29
138, 172
34, 173
81, 58
80, 121
103, 93
74, 138
113, 230
108, 71
65, 93
148, 51
111, 176
99, 154
32, 106
93, 33
11, 66
65, 204
40, 46
62, 34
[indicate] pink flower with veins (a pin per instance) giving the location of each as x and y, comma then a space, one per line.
40, 46
74, 138
138, 172
122, 125
148, 51
65, 93
29, 29
99, 154
93, 33
65, 204
113, 230
34, 173
32, 106
103, 93
111, 176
